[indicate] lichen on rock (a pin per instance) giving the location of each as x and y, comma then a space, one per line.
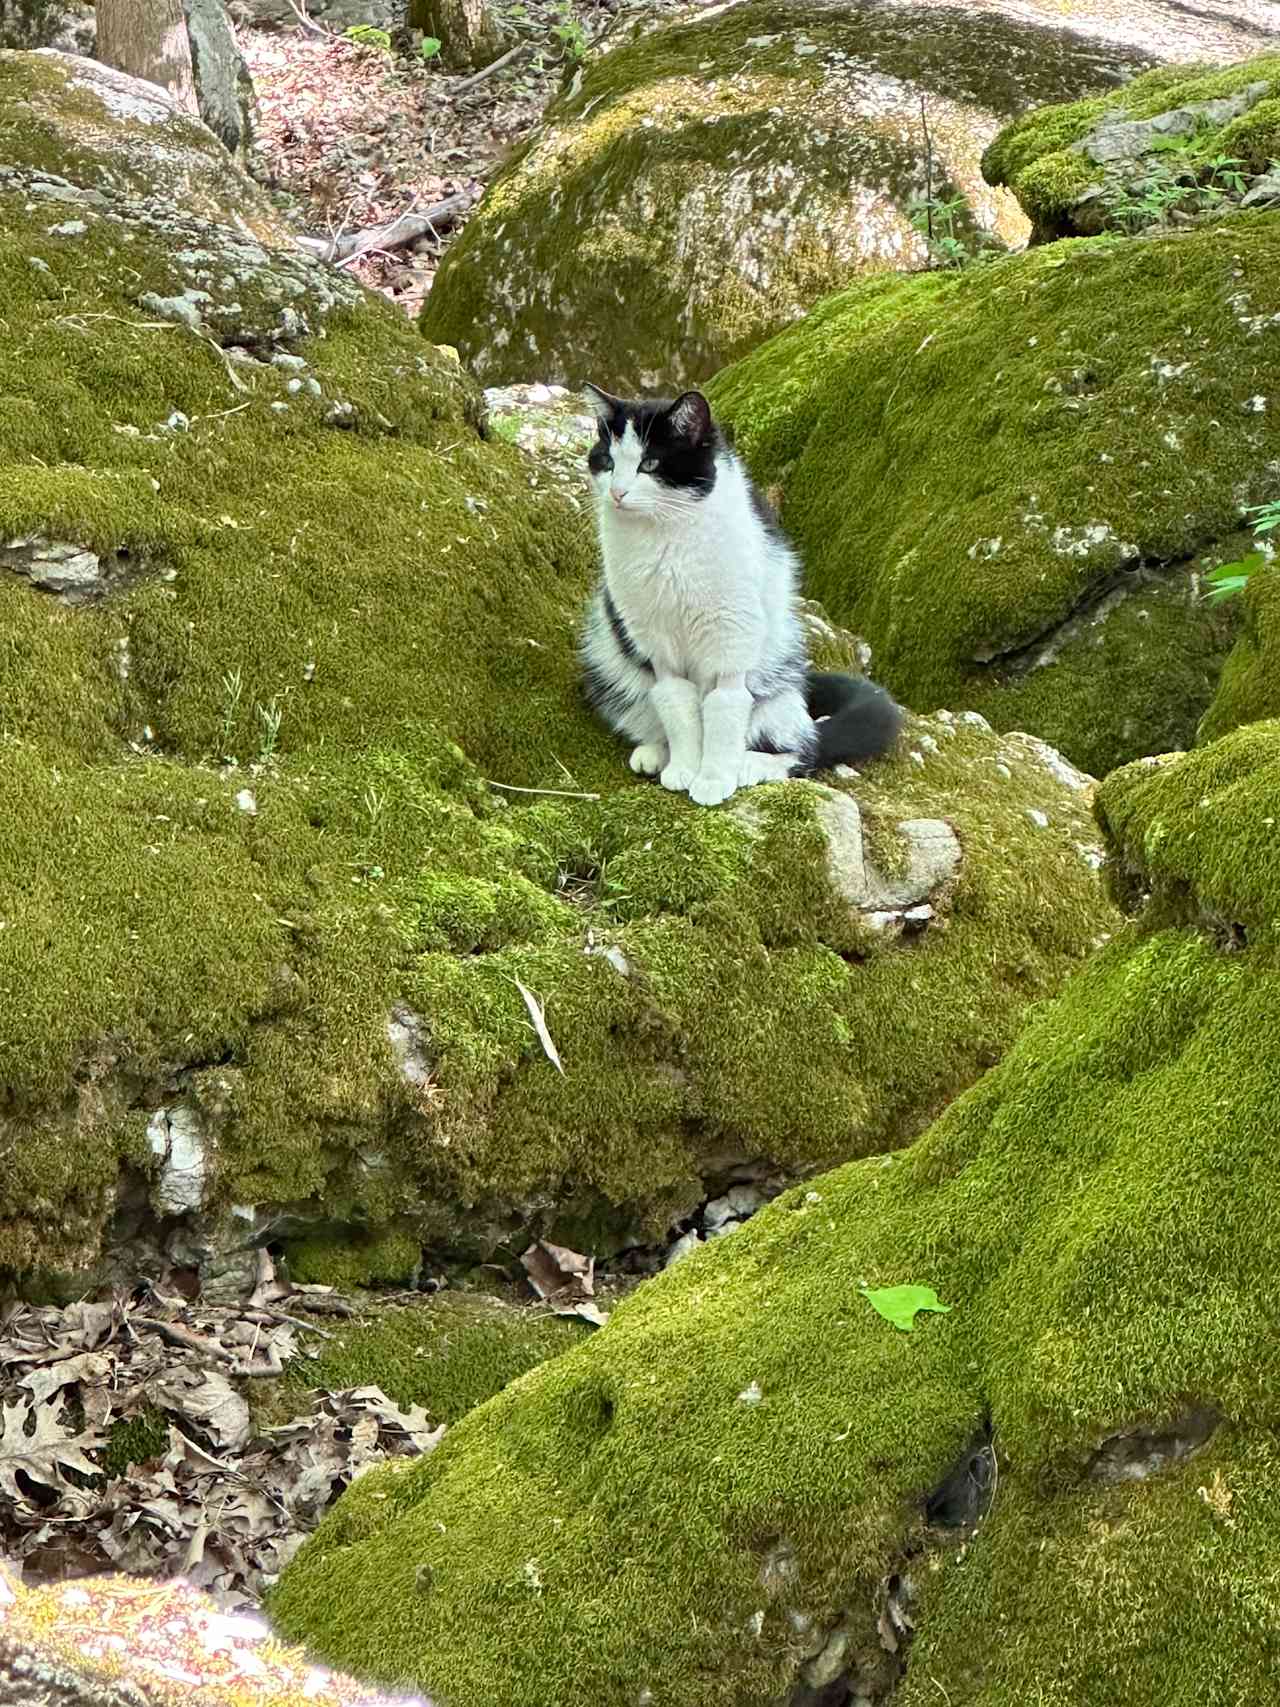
699, 185
1011, 480
748, 1479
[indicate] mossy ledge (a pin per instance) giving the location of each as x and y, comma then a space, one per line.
1010, 480
1051, 159
1249, 687
268, 891
730, 1477
702, 183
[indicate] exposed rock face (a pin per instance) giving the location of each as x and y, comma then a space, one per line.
273, 768
699, 185
1022, 1499
1011, 481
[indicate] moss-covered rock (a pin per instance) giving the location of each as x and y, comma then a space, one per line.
1172, 144
284, 637
447, 1354
724, 1492
1249, 687
1011, 479
699, 186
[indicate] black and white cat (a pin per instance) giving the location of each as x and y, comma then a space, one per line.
693, 647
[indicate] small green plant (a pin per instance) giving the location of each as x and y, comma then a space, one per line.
934, 217
429, 47
232, 689
1229, 580
270, 716
505, 427
368, 35
569, 33
1181, 176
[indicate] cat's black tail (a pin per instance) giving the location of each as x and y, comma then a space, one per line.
860, 720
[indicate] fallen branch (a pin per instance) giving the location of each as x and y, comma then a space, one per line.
187, 1338
262, 1313
469, 83
410, 226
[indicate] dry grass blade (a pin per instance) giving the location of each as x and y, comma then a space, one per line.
540, 1026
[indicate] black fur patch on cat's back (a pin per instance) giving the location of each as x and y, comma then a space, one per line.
680, 462
622, 634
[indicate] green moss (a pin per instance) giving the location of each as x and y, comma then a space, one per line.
1010, 480
447, 1356
1202, 832
1040, 159
1249, 688
1168, 1578
197, 906
135, 1440
387, 1257
1098, 1213
750, 124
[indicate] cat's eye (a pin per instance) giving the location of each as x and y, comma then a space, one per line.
649, 465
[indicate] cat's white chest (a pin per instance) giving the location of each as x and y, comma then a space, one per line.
677, 597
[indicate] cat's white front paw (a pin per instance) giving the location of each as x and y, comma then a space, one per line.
677, 778
649, 759
709, 788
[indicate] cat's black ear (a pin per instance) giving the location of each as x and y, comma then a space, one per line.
690, 417
605, 406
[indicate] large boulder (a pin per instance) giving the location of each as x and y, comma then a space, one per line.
1173, 145
700, 185
302, 818
1011, 480
1058, 1486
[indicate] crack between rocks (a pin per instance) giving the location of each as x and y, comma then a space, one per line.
1127, 580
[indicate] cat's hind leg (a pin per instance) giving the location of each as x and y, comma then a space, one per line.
781, 739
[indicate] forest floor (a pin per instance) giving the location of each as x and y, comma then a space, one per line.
351, 135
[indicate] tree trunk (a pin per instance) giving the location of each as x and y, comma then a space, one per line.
467, 34
148, 38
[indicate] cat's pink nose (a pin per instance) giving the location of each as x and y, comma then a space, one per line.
617, 496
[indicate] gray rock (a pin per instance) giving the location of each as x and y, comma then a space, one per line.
1118, 140
717, 1212
827, 1666
72, 572
176, 1136
933, 857
1140, 1452
1263, 192
407, 1034
688, 1242
744, 1200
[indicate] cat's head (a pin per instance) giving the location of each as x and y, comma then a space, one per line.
652, 459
